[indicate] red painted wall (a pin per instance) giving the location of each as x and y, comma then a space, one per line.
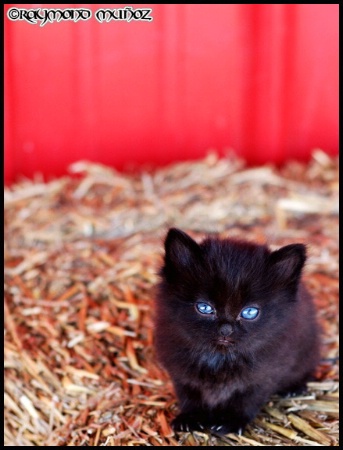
261, 79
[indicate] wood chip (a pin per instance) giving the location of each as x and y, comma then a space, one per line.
290, 434
306, 428
165, 427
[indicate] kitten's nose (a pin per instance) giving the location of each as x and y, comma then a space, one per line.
226, 329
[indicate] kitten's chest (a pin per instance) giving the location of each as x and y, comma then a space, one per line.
221, 391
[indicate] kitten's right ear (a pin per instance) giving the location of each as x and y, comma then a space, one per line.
287, 263
180, 248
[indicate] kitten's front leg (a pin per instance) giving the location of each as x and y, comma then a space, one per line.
239, 412
195, 416
192, 417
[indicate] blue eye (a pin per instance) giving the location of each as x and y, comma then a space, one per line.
250, 313
204, 308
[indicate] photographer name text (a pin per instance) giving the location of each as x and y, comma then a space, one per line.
43, 16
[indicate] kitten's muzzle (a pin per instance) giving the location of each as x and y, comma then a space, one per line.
225, 332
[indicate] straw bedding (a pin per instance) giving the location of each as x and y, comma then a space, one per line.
81, 257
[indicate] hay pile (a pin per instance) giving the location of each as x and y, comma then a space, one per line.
81, 255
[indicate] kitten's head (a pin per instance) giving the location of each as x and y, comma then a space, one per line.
226, 296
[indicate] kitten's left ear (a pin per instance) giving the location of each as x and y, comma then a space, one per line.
287, 263
180, 248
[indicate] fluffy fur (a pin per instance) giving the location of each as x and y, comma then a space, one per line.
225, 367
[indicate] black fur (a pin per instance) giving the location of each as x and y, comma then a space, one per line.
220, 385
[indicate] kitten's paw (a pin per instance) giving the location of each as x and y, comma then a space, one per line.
293, 391
187, 422
219, 429
222, 429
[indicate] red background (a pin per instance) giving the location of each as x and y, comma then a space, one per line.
261, 79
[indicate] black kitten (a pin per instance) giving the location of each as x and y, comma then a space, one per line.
234, 325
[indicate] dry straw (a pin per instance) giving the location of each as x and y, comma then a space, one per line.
81, 256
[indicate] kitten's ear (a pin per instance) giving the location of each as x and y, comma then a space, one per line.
287, 263
180, 248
